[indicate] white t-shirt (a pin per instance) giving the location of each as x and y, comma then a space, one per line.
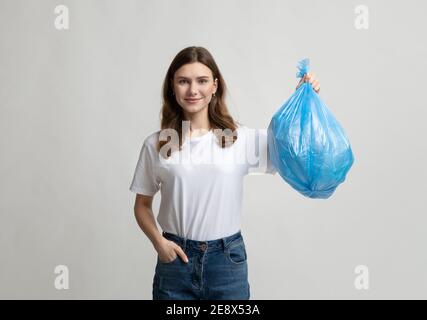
201, 185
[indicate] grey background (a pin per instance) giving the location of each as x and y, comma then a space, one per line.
77, 104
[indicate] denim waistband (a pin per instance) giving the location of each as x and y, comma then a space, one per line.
217, 244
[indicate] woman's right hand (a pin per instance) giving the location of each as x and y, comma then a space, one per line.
169, 250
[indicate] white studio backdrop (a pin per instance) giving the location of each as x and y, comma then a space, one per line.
77, 103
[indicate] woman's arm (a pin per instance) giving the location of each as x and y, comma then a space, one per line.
167, 250
145, 218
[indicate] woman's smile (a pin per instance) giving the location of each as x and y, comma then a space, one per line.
193, 100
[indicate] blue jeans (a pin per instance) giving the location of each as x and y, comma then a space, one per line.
216, 270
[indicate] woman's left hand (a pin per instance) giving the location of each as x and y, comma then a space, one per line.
311, 78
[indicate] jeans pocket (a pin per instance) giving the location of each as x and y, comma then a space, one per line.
236, 252
170, 262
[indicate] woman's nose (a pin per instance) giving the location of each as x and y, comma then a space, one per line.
193, 89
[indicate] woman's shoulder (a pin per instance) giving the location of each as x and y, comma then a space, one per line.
244, 130
152, 139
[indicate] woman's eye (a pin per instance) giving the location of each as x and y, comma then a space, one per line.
202, 81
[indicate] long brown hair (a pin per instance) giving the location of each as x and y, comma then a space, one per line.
172, 114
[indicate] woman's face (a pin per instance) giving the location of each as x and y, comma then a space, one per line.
194, 86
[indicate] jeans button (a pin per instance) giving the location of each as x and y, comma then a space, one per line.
203, 246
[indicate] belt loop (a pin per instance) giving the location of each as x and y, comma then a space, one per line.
184, 244
224, 244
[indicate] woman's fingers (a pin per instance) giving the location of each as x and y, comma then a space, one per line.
310, 78
315, 85
181, 253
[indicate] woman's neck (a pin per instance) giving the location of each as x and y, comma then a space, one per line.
199, 123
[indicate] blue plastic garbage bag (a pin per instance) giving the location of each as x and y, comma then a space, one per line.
307, 145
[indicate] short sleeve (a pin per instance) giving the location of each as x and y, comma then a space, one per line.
145, 180
257, 144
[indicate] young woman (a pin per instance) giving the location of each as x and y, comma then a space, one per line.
198, 161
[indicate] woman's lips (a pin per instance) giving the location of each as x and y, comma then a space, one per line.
192, 100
